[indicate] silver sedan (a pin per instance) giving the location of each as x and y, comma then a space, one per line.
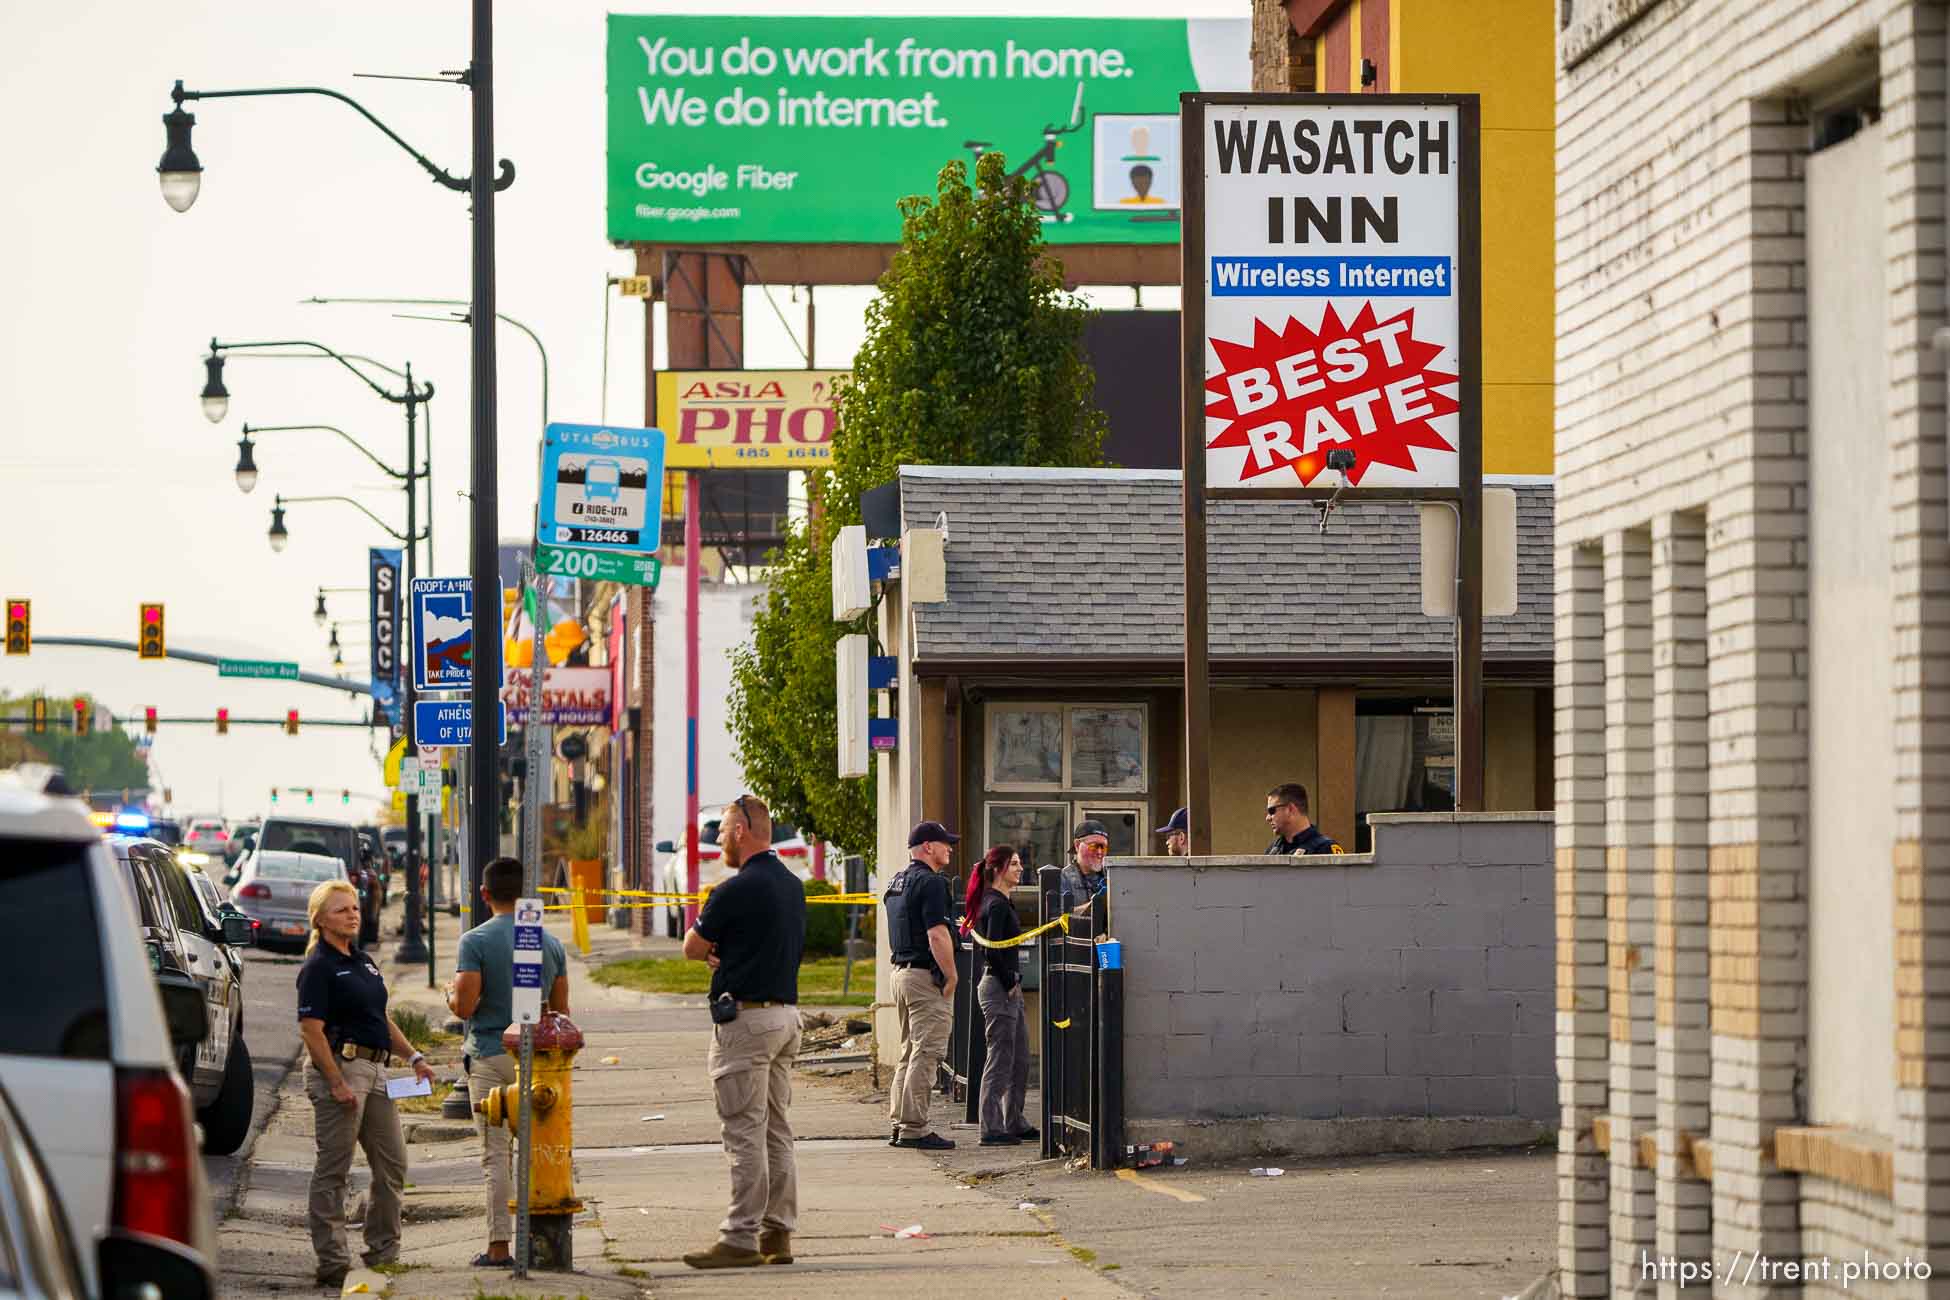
274, 890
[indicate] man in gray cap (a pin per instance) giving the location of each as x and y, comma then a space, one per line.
1083, 878
1177, 833
917, 902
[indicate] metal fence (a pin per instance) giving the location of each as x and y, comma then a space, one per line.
1082, 1026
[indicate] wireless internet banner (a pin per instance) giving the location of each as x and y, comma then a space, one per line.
811, 130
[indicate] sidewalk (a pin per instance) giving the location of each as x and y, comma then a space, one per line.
655, 1188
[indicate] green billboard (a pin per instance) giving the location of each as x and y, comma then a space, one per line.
730, 129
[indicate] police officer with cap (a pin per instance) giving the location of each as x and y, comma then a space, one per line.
918, 905
1177, 833
1293, 827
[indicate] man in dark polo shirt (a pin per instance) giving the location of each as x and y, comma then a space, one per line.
918, 907
1293, 827
752, 932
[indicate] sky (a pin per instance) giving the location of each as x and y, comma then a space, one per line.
117, 490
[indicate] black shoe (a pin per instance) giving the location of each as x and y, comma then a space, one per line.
485, 1260
1000, 1140
894, 1138
929, 1142
332, 1278
1029, 1133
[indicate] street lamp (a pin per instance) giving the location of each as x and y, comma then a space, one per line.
334, 643
279, 534
481, 185
247, 474
216, 398
181, 174
318, 615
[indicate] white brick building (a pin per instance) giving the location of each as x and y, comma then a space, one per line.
1753, 644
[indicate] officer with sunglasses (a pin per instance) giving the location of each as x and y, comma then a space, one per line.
1293, 828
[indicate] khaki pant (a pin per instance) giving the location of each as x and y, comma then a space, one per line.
751, 1080
497, 1140
925, 1020
371, 1123
1005, 1059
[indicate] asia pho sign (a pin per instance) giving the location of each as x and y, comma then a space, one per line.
1336, 240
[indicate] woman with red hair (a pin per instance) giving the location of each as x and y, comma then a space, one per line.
1005, 1068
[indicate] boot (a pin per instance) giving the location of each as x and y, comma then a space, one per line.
776, 1245
723, 1256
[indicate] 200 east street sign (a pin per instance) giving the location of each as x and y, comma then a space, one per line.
1332, 263
598, 566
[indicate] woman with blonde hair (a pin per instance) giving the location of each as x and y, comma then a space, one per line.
349, 1039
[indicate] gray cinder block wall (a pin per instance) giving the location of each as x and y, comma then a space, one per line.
1397, 1000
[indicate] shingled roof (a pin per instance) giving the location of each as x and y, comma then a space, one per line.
1035, 553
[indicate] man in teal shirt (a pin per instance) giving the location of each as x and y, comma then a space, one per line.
482, 993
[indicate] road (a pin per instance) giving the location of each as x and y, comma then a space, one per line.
271, 1029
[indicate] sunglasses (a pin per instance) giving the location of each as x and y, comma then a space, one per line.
1272, 808
1102, 846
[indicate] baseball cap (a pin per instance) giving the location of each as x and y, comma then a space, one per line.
1180, 821
931, 832
1086, 828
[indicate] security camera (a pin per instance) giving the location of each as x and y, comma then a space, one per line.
1340, 458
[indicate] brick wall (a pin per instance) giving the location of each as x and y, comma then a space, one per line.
1682, 416
1270, 995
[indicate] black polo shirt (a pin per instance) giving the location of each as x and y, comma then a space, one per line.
758, 920
347, 992
1311, 840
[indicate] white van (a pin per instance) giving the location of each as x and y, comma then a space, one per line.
88, 1059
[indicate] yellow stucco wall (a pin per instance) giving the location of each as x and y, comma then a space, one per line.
1260, 738
1503, 51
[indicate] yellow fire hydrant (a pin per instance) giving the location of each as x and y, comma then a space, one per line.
552, 1202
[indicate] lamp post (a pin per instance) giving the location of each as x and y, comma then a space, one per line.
318, 614
412, 948
180, 174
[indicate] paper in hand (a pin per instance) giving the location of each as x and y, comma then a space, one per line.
408, 1086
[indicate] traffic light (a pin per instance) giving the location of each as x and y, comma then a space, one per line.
274, 794
169, 795
20, 626
223, 722
149, 636
307, 795
80, 716
149, 721
291, 722
345, 796
40, 715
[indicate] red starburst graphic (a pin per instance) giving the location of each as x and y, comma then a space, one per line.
1363, 384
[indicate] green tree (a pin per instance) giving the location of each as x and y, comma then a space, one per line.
100, 760
972, 357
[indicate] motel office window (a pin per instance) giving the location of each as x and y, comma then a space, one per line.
1404, 760
1048, 766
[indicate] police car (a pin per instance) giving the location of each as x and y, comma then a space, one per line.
189, 943
674, 871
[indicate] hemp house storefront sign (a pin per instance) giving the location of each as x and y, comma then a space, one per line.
1333, 272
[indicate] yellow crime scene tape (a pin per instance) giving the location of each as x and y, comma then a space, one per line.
1062, 922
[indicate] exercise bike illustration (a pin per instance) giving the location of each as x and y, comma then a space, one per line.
1049, 189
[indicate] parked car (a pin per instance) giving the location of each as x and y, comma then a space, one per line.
243, 838
393, 840
164, 830
711, 871
208, 839
275, 890
37, 1254
88, 1061
189, 941
334, 839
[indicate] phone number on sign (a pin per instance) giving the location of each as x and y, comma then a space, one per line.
611, 536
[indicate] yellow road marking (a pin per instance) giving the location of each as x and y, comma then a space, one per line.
1150, 1185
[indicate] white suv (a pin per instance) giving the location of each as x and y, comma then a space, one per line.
88, 1059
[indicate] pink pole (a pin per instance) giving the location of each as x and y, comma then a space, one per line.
691, 555
819, 859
